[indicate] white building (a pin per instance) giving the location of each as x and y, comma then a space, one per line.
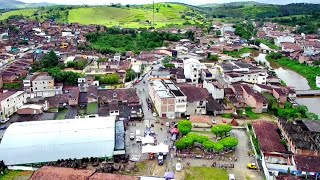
40, 85
46, 141
216, 91
169, 101
192, 69
254, 78
283, 39
10, 101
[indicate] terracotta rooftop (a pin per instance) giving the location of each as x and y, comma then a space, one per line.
307, 163
53, 173
194, 93
268, 137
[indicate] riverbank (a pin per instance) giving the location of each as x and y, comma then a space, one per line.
309, 72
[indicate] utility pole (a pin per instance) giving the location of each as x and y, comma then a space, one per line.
153, 14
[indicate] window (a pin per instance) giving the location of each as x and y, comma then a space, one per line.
49, 82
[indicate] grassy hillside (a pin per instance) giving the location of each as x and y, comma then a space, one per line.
24, 12
265, 11
139, 16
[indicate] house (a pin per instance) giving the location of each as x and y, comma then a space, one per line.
177, 75
280, 95
39, 85
10, 101
161, 74
215, 89
214, 107
283, 39
206, 75
275, 158
196, 99
254, 99
30, 109
302, 136
73, 95
201, 121
192, 70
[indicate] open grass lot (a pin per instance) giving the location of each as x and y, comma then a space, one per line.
62, 114
205, 173
92, 108
24, 12
11, 175
132, 17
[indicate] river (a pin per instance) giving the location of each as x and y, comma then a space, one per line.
295, 80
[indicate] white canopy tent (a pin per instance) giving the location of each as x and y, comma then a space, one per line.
161, 148
147, 140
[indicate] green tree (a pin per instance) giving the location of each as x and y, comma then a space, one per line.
218, 147
197, 138
208, 145
229, 142
50, 60
219, 130
130, 75
181, 144
184, 127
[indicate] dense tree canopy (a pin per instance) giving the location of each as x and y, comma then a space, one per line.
108, 78
184, 127
219, 130
229, 142
116, 40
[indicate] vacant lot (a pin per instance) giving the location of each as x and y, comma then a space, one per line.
205, 173
11, 175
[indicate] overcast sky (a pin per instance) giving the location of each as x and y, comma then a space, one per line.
194, 2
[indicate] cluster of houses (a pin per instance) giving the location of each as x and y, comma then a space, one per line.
302, 47
289, 149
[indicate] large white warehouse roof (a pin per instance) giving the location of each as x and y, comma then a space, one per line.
45, 141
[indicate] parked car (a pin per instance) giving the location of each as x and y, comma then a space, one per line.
232, 177
131, 136
252, 166
4, 127
213, 121
167, 124
138, 139
154, 114
4, 120
174, 137
178, 166
160, 159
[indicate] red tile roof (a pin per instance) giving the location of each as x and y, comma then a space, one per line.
268, 136
53, 173
194, 93
307, 163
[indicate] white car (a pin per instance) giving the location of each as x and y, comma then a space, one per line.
154, 114
178, 166
131, 136
4, 120
213, 121
232, 177
138, 139
168, 124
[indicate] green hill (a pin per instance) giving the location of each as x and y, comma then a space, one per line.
166, 14
24, 12
132, 17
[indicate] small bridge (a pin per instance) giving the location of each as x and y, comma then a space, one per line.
308, 92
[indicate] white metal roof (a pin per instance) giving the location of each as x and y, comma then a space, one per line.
44, 141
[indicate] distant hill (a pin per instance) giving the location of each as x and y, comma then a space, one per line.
14, 4
261, 11
234, 4
129, 16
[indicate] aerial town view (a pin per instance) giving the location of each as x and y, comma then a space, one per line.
159, 90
